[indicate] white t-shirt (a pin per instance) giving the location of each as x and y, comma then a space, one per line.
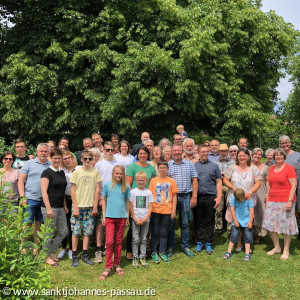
141, 200
124, 161
105, 169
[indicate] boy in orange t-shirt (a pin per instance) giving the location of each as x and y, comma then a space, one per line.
164, 190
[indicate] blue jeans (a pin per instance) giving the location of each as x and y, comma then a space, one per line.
160, 225
34, 210
235, 233
183, 207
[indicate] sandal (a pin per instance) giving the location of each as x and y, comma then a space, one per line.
247, 257
106, 273
274, 251
285, 255
119, 270
227, 255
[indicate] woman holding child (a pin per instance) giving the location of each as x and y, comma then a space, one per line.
281, 201
242, 175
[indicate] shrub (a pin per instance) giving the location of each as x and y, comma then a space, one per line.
20, 269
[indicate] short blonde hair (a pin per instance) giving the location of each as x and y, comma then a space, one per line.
141, 174
180, 127
239, 195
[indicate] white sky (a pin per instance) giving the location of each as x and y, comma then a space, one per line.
290, 11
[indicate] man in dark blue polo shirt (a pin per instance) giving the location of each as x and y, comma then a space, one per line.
209, 198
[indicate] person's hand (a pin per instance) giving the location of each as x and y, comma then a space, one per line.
94, 212
289, 205
103, 221
142, 221
173, 215
193, 202
66, 210
218, 201
248, 196
50, 213
250, 225
127, 222
23, 201
236, 224
76, 212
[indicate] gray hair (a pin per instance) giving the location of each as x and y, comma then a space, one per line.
95, 151
167, 147
284, 138
42, 145
279, 150
188, 139
255, 150
164, 140
269, 150
146, 141
234, 147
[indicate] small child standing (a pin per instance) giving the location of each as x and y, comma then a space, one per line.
180, 130
164, 190
115, 209
242, 214
140, 209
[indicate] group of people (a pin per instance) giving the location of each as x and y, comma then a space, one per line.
105, 187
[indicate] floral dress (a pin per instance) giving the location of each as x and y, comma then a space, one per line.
243, 180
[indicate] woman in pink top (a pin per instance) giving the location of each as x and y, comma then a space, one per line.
280, 208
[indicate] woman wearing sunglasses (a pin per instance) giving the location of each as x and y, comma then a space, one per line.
9, 175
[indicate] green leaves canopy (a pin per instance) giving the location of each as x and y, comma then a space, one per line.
129, 66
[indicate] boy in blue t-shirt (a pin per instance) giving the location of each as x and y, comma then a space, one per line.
242, 214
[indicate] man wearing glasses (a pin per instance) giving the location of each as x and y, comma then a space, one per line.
21, 157
29, 185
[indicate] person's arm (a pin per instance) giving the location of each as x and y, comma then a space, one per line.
268, 189
44, 190
96, 199
174, 205
149, 211
103, 210
236, 223
74, 201
65, 205
250, 224
132, 213
219, 193
129, 180
193, 202
256, 186
127, 210
227, 182
21, 187
293, 183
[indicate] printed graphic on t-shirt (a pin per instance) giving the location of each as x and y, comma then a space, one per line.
141, 201
86, 179
162, 191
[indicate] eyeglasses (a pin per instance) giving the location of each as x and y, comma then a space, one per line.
67, 158
284, 143
62, 149
56, 158
232, 151
109, 150
20, 147
8, 158
87, 158
163, 168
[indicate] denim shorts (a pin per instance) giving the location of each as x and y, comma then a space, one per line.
34, 210
85, 219
235, 232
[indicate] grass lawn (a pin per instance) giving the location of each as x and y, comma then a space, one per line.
202, 277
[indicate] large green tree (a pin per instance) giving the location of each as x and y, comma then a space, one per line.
71, 66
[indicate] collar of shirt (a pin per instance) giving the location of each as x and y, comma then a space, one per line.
174, 163
45, 163
55, 170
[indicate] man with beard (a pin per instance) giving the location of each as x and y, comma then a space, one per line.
188, 149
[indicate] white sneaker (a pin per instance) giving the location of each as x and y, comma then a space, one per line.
70, 253
98, 257
61, 254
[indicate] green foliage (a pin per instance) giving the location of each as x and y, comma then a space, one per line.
20, 270
73, 67
4, 147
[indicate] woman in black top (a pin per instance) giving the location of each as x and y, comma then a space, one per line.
53, 185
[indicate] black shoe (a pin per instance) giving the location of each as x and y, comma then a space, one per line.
87, 260
75, 262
